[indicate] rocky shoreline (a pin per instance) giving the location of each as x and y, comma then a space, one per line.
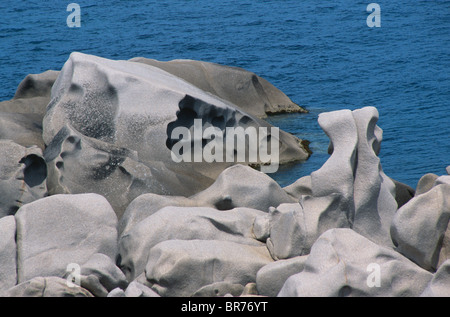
91, 203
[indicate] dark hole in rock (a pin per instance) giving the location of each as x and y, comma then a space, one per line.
35, 171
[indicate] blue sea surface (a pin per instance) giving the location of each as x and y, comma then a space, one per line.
321, 54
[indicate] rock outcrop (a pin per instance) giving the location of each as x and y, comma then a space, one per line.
23, 174
56, 231
124, 114
245, 89
344, 263
92, 202
21, 117
420, 228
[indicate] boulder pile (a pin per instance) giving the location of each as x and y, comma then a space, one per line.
91, 203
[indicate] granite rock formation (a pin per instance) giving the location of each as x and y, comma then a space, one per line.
91, 203
117, 117
245, 89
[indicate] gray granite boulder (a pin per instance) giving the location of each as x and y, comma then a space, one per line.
374, 192
23, 174
51, 286
420, 228
403, 193
425, 183
138, 106
21, 117
56, 231
344, 263
8, 252
428, 181
439, 285
80, 164
32, 95
136, 289
100, 275
182, 267
245, 89
350, 190
227, 192
293, 228
146, 205
117, 292
184, 223
219, 289
300, 187
271, 277
24, 129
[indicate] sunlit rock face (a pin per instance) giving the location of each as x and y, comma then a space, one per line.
117, 117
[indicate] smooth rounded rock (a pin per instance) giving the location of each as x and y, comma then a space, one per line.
56, 231
8, 252
184, 223
47, 287
344, 263
180, 268
23, 174
419, 227
243, 88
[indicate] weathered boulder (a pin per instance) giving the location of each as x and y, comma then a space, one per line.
300, 187
146, 205
344, 263
32, 95
439, 285
226, 193
24, 129
426, 182
23, 174
8, 251
34, 86
100, 275
183, 223
354, 171
21, 117
245, 89
293, 228
51, 286
56, 231
420, 228
271, 277
117, 292
138, 106
403, 192
350, 190
79, 164
243, 186
444, 179
182, 267
136, 289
